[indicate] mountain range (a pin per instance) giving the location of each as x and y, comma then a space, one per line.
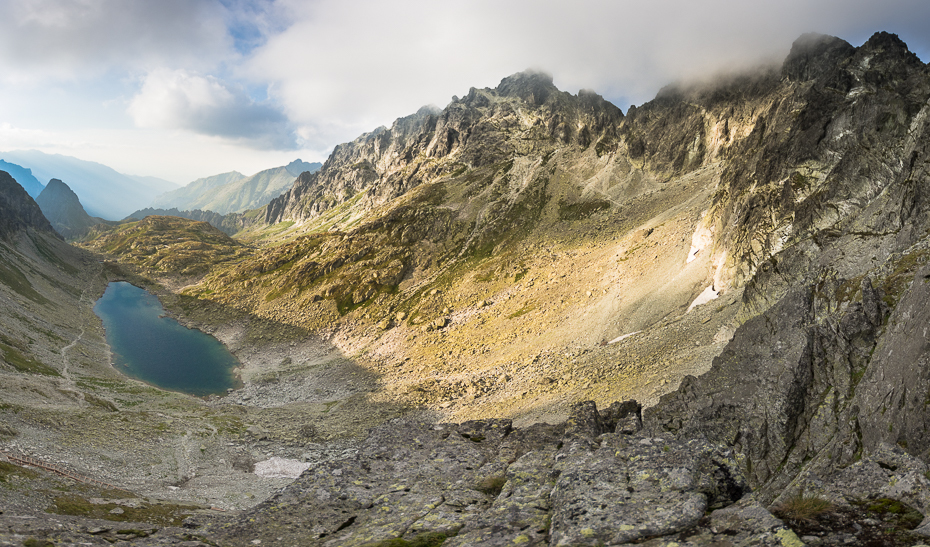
104, 192
233, 192
24, 177
528, 318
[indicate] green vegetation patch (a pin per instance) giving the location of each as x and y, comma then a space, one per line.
8, 469
582, 209
900, 278
100, 403
527, 308
119, 386
34, 542
849, 290
20, 362
802, 507
799, 181
492, 485
14, 278
904, 515
165, 514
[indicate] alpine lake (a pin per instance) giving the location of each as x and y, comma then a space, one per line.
156, 349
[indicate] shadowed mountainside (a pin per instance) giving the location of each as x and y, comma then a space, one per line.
63, 209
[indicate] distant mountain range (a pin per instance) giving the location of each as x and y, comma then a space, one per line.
104, 192
234, 192
24, 177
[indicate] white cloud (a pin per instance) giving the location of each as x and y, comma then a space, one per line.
12, 137
255, 78
346, 67
80, 38
180, 99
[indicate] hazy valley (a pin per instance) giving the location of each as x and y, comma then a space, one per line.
428, 320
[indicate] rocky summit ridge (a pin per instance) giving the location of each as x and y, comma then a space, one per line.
483, 128
440, 322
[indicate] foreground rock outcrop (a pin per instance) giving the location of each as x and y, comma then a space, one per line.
596, 479
593, 480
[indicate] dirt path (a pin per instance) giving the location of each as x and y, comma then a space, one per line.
65, 362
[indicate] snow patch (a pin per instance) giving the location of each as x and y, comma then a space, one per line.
703, 237
281, 468
703, 298
617, 339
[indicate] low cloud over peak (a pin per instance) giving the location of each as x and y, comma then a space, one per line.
263, 77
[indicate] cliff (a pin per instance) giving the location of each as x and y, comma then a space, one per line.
18, 211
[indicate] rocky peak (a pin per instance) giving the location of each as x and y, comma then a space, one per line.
885, 61
813, 55
63, 209
531, 86
298, 166
18, 211
889, 44
59, 190
525, 108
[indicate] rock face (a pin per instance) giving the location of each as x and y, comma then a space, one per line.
63, 209
18, 211
839, 153
584, 482
827, 149
524, 115
831, 371
828, 375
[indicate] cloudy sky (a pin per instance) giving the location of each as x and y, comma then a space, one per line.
182, 89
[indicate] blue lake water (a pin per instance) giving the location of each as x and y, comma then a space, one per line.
159, 350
